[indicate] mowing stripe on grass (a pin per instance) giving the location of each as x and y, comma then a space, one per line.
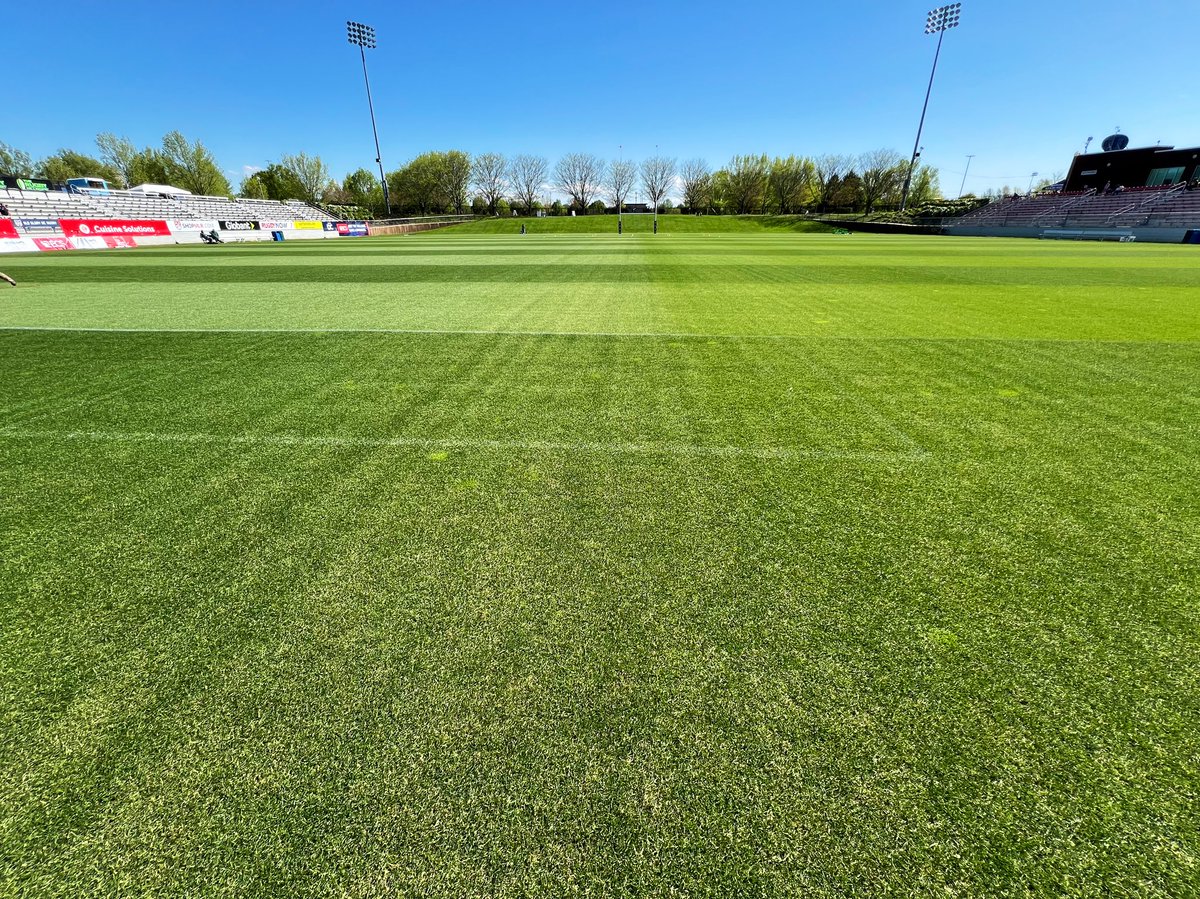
647, 335
686, 450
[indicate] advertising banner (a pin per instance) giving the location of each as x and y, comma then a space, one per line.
119, 243
193, 224
8, 228
351, 229
307, 226
52, 243
50, 225
277, 225
237, 226
329, 226
38, 184
89, 243
21, 245
114, 227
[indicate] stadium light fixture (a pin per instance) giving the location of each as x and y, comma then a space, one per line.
620, 159
938, 22
1029, 189
970, 156
363, 37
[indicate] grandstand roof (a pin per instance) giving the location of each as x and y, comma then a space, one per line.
158, 189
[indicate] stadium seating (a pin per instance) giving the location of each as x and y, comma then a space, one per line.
1170, 205
124, 205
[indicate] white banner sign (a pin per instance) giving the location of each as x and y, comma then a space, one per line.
192, 225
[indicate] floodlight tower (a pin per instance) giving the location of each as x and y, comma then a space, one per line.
940, 21
962, 186
621, 160
363, 37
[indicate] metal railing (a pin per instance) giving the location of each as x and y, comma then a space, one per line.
426, 219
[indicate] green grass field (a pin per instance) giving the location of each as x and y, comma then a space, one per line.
743, 564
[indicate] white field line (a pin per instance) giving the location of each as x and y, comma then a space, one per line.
684, 450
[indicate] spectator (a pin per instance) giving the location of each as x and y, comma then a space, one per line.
4, 210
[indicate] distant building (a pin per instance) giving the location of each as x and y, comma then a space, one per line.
1140, 167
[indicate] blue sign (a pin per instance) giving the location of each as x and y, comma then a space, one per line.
328, 226
43, 225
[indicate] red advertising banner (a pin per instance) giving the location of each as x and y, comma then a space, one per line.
52, 243
119, 243
114, 228
8, 229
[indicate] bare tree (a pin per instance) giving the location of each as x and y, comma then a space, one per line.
696, 181
453, 176
828, 170
882, 173
658, 177
622, 173
488, 175
15, 162
119, 152
579, 176
528, 175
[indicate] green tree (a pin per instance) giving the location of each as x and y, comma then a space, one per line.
747, 188
420, 185
310, 173
192, 167
358, 187
718, 191
788, 181
15, 162
253, 188
275, 182
847, 194
925, 187
828, 172
69, 164
145, 166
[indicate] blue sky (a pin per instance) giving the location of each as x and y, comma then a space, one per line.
1021, 84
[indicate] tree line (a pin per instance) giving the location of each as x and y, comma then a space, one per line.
454, 182
177, 161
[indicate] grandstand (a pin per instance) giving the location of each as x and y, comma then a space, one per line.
135, 204
1149, 193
